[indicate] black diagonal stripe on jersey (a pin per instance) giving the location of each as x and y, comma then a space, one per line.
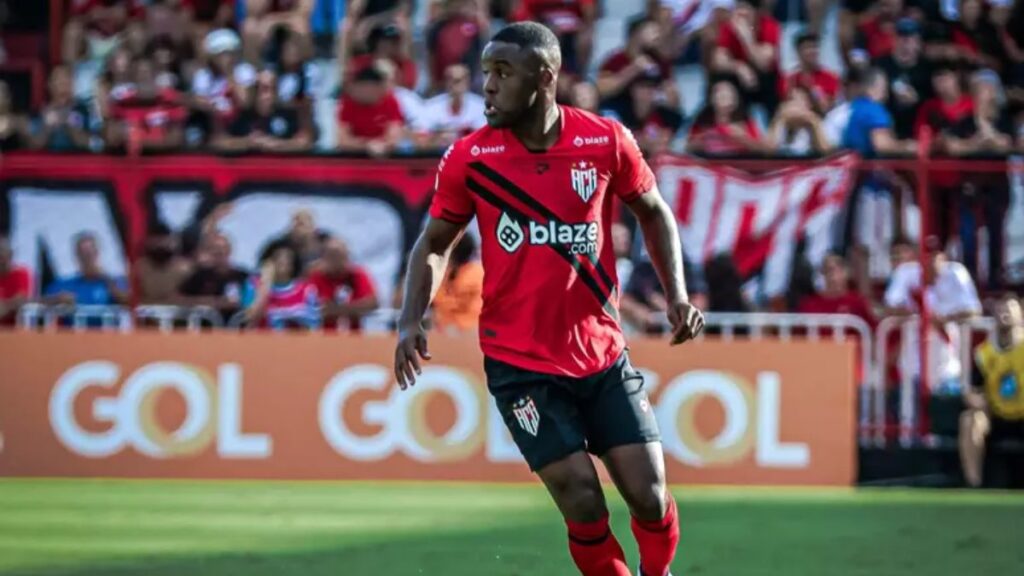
521, 195
584, 274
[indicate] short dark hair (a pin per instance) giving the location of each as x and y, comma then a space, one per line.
86, 236
864, 77
634, 24
535, 37
805, 37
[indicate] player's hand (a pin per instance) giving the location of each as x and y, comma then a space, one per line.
686, 321
412, 346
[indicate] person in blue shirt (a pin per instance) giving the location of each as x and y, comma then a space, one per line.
91, 286
869, 130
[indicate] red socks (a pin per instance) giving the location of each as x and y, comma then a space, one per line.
657, 541
595, 549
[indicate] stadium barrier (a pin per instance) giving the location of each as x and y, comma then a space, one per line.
265, 405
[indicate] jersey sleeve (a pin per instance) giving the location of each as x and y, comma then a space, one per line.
632, 176
451, 201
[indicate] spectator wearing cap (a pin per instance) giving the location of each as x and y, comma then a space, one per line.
452, 114
262, 17
654, 124
748, 47
64, 123
877, 34
161, 268
149, 116
640, 57
264, 124
822, 85
221, 83
797, 129
869, 130
456, 36
94, 27
369, 116
724, 126
572, 21
910, 77
15, 284
386, 43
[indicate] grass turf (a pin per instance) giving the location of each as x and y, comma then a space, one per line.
165, 528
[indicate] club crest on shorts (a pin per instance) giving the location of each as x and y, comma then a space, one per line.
526, 414
584, 179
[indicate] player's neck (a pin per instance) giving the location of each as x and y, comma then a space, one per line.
539, 131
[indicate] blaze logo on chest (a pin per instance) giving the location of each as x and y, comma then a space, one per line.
584, 179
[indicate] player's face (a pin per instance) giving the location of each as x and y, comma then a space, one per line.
511, 83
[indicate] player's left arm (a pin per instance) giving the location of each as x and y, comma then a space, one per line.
662, 238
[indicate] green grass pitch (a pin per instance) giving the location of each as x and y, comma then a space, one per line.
185, 528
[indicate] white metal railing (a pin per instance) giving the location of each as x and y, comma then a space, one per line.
167, 317
76, 317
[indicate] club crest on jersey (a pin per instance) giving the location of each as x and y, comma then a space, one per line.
526, 415
584, 179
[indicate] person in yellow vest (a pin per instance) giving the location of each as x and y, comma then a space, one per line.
995, 401
459, 301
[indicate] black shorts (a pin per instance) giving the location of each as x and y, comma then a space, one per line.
551, 416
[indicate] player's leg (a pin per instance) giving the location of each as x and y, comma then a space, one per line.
546, 425
974, 427
621, 428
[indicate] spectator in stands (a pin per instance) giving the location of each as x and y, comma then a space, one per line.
303, 237
386, 43
975, 39
91, 286
622, 243
286, 300
572, 21
639, 58
869, 129
345, 290
64, 124
987, 128
585, 96
724, 126
949, 106
369, 116
167, 64
836, 120
150, 116
725, 286
654, 124
13, 127
262, 17
214, 282
951, 298
836, 295
94, 26
297, 77
363, 16
684, 21
15, 284
1007, 19
851, 14
748, 48
265, 125
409, 102
823, 85
876, 34
903, 250
910, 77
115, 82
643, 303
993, 409
459, 300
797, 129
200, 17
457, 36
453, 113
220, 84
161, 269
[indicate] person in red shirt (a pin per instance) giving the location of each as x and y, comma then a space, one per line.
385, 43
836, 296
148, 115
456, 37
724, 127
877, 34
572, 22
263, 16
540, 180
345, 290
748, 47
640, 58
369, 116
822, 84
15, 285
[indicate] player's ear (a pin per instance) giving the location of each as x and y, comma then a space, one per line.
548, 78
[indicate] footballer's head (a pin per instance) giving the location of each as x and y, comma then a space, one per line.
520, 66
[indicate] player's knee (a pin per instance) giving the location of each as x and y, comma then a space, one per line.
579, 496
648, 501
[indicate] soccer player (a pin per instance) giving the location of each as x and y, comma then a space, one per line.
541, 180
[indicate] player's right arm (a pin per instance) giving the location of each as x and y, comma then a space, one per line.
450, 210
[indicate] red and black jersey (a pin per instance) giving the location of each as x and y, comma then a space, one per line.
550, 289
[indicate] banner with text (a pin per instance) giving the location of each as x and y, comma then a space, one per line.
308, 406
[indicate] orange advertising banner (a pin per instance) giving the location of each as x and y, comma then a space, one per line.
313, 406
